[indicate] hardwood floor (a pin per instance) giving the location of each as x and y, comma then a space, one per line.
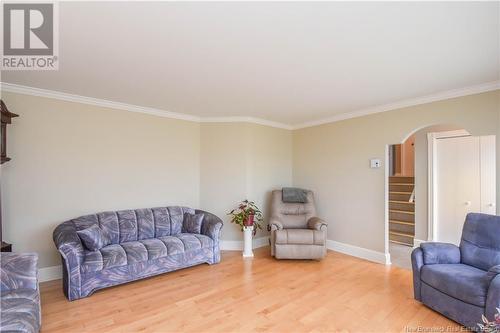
339, 294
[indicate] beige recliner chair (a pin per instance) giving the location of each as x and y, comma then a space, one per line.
296, 232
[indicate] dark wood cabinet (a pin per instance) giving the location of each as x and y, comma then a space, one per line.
6, 247
6, 118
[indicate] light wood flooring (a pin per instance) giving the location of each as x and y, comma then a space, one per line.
339, 294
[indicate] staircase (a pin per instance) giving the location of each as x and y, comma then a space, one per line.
401, 210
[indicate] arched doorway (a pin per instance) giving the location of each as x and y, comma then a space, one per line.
407, 193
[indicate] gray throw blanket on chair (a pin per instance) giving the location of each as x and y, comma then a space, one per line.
294, 195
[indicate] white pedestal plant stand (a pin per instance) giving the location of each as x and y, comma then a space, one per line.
247, 242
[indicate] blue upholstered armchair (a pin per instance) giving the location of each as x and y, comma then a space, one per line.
462, 283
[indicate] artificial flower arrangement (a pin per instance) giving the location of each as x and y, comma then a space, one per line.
247, 215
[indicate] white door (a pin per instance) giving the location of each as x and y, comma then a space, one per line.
488, 175
458, 184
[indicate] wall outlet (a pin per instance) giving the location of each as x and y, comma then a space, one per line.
375, 163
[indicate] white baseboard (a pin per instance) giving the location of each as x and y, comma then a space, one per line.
228, 245
261, 242
50, 273
360, 252
417, 242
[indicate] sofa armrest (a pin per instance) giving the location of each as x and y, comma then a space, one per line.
417, 262
211, 226
440, 253
316, 223
72, 252
275, 224
18, 270
493, 297
68, 243
494, 271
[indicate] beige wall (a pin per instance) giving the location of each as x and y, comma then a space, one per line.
223, 175
240, 161
70, 159
333, 160
270, 165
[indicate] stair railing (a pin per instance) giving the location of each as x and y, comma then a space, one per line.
412, 196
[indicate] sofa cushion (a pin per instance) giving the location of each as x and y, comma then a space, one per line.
177, 218
192, 223
93, 237
19, 322
292, 215
26, 293
113, 256
129, 253
19, 293
300, 237
155, 247
463, 282
135, 225
86, 221
136, 252
174, 245
127, 224
18, 270
19, 314
108, 222
145, 224
92, 262
195, 241
161, 221
480, 243
294, 220
15, 304
205, 241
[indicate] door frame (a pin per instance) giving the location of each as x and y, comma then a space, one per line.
431, 179
387, 254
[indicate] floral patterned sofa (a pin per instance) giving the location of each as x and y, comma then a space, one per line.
20, 295
133, 244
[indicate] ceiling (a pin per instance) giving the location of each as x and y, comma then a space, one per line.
288, 62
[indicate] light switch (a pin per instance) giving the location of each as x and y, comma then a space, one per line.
375, 163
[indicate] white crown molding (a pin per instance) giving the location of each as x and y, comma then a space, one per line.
477, 89
20, 89
252, 120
